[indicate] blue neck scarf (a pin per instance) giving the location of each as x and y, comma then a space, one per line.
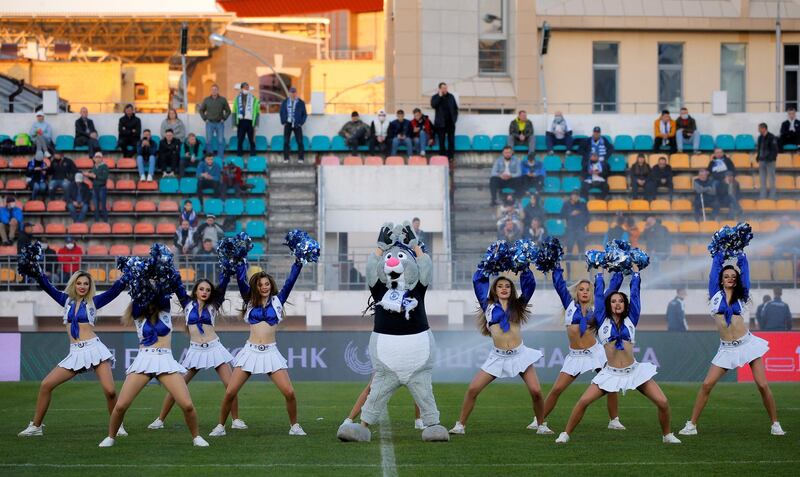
581, 320
618, 335
729, 310
196, 317
151, 332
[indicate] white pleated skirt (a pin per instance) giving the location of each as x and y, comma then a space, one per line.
734, 354
509, 363
580, 361
85, 355
155, 361
206, 355
260, 359
613, 380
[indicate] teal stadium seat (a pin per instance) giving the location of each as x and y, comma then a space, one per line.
706, 142
552, 163
552, 205
338, 144
555, 227
234, 159
256, 229
499, 141
168, 185
259, 184
617, 163
261, 144
237, 227
578, 141
623, 142
745, 142
552, 185
255, 207
463, 143
643, 142
197, 206
570, 183
256, 252
188, 185
234, 206
481, 142
726, 142
65, 143
541, 144
108, 143
256, 164
573, 163
213, 206
276, 144
320, 144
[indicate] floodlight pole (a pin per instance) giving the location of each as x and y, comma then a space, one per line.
222, 39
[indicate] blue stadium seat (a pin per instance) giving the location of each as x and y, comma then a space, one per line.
188, 185
552, 163
617, 163
213, 206
578, 141
570, 183
338, 144
573, 163
256, 252
623, 142
552, 205
232, 144
463, 143
499, 141
197, 206
261, 144
555, 227
541, 144
320, 144
237, 227
234, 159
156, 139
256, 229
255, 207
256, 164
552, 184
3, 137
259, 184
643, 142
65, 143
108, 143
745, 142
726, 142
276, 144
234, 206
481, 142
790, 147
168, 185
706, 142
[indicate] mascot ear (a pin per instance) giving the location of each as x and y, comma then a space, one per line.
409, 237
385, 236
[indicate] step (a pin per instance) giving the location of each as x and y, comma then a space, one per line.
287, 193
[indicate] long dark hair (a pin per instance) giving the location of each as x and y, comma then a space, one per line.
625, 311
253, 297
739, 292
517, 309
213, 297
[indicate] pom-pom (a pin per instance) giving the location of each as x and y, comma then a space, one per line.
549, 255
640, 258
135, 276
731, 241
595, 259
497, 259
162, 270
523, 254
29, 261
232, 252
618, 257
304, 248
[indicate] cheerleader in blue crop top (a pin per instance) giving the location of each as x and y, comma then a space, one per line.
616, 319
200, 309
86, 351
729, 294
262, 310
501, 315
154, 360
585, 352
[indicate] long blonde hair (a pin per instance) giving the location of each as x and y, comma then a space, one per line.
573, 292
71, 288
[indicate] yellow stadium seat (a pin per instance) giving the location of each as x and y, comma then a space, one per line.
595, 205
741, 160
765, 204
745, 182
759, 270
783, 271
670, 225
786, 204
617, 205
679, 160
659, 205
698, 249
755, 226
768, 225
682, 182
784, 161
187, 274
652, 159
638, 205
797, 184
680, 249
748, 205
97, 274
114, 274
796, 161
597, 227
783, 182
699, 161
617, 183
709, 226
8, 275
688, 227
681, 205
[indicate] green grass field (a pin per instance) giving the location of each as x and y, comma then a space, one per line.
734, 435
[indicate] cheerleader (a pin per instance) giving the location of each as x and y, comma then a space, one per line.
729, 291
154, 360
86, 351
362, 398
502, 313
263, 310
616, 319
205, 349
585, 353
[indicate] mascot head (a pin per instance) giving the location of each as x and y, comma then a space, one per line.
400, 270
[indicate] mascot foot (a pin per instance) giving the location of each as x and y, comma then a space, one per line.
353, 432
437, 433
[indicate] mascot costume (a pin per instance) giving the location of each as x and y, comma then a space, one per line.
401, 345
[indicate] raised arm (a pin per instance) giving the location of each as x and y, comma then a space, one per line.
599, 299
425, 266
47, 287
222, 286
527, 282
636, 304
713, 275
615, 284
109, 295
480, 284
183, 296
283, 295
744, 267
561, 287
241, 280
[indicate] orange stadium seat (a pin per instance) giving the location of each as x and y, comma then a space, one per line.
122, 228
19, 162
352, 161
2, 184
147, 185
78, 228
768, 225
187, 274
141, 250
97, 274
698, 249
100, 228
765, 204
670, 225
597, 205
597, 227
682, 183
168, 206
34, 206
764, 251
638, 205
84, 163
659, 205
395, 161
417, 161
114, 274
144, 228
145, 206
680, 249
16, 184
760, 270
681, 205
617, 205
119, 250
122, 206
783, 271
748, 205
56, 206
699, 161
709, 226
8, 275
110, 184
125, 184
440, 161
55, 228
38, 228
784, 182
729, 223
110, 162
373, 161
652, 159
632, 158
679, 161
688, 227
126, 163
796, 161
97, 250
741, 160
745, 182
784, 161
617, 183
788, 205
165, 228
6, 250
329, 161
797, 184
3, 162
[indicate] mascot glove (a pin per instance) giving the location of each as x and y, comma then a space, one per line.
385, 241
409, 237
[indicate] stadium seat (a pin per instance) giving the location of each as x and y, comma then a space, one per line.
56, 206
147, 185
698, 250
481, 142
108, 143
638, 205
373, 161
784, 161
122, 206
16, 184
659, 205
417, 161
643, 143
119, 250
165, 228
34, 206
555, 227
188, 274
78, 228
552, 163
652, 159
688, 227
617, 205
255, 207
682, 183
256, 252
678, 161
338, 144
617, 163
760, 270
395, 161
765, 204
552, 185
145, 206
141, 250
168, 206
744, 142
623, 142
670, 225
462, 143
706, 142
499, 141
213, 206
234, 207
320, 144
259, 185
122, 228
8, 275
746, 182
725, 141
741, 160
699, 161
188, 185
55, 228
352, 161
236, 160
783, 182
709, 226
125, 184
84, 163
168, 185
329, 161
7, 250
65, 143
144, 228
261, 144
788, 205
796, 161
570, 183
597, 227
100, 228
681, 205
748, 205
97, 274
256, 164
768, 226
256, 228
19, 162
440, 161
783, 271
573, 163
617, 183
97, 250
126, 163
552, 205
597, 205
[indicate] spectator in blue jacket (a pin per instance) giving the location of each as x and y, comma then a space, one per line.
293, 116
146, 148
37, 175
400, 132
776, 315
505, 173
533, 173
209, 176
11, 221
597, 144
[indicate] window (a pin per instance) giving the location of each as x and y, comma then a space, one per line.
670, 76
732, 76
492, 37
791, 67
605, 64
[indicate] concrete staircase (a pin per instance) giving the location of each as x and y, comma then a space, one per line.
292, 200
473, 223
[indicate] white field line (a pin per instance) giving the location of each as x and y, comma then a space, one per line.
388, 464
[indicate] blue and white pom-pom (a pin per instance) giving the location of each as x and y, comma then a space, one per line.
550, 255
640, 258
497, 259
304, 248
162, 270
731, 241
232, 252
618, 257
135, 275
29, 261
523, 254
595, 259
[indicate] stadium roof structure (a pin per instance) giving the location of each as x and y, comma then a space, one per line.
274, 8
671, 8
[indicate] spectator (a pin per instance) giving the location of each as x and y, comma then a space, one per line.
617, 232
421, 132
597, 144
532, 173
85, 133
184, 238
766, 155
69, 256
536, 230
509, 210
687, 131
759, 311
206, 258
78, 198
509, 231
533, 209
595, 174
657, 237
232, 179
61, 171
705, 195
42, 135
790, 129
378, 134
720, 165
355, 133
129, 131
293, 115
575, 213
174, 123
400, 133
191, 154
11, 221
209, 230
188, 214
446, 108
246, 109
676, 312
728, 196
640, 178
632, 228
25, 236
664, 132
146, 149
559, 134
520, 131
169, 154
660, 176
209, 176
775, 315
423, 236
99, 176
37, 175
215, 110
505, 173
